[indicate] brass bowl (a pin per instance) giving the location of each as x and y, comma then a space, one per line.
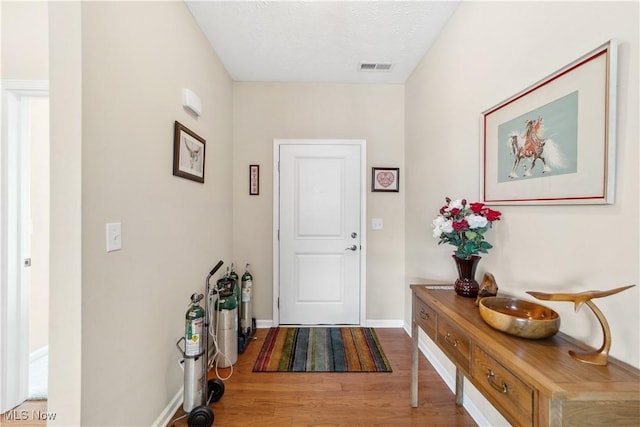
518, 317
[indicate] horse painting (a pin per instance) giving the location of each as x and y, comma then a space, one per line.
528, 146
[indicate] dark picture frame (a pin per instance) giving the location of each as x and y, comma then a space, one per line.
188, 154
385, 179
254, 180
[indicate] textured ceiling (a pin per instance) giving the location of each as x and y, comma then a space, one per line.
320, 41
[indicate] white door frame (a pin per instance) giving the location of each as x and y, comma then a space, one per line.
277, 143
15, 236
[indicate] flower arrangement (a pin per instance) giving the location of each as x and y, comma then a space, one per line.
463, 226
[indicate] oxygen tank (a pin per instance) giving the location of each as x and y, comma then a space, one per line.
246, 310
227, 324
194, 381
234, 276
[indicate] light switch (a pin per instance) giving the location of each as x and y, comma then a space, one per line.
114, 236
376, 224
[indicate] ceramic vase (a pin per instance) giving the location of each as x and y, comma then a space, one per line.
466, 284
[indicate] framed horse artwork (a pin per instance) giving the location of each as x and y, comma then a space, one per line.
554, 142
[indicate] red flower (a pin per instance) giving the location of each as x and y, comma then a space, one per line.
460, 225
476, 208
455, 211
492, 215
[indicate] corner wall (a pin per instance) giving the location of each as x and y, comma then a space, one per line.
136, 58
65, 291
487, 52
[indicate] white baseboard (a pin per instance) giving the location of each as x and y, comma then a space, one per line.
262, 324
168, 412
372, 323
449, 380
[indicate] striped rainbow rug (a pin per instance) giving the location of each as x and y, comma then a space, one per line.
321, 350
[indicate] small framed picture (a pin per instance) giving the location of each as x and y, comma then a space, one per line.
385, 179
188, 154
254, 180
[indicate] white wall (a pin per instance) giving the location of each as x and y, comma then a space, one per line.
266, 111
136, 58
487, 52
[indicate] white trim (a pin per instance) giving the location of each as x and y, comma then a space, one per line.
363, 218
169, 411
373, 323
264, 324
14, 237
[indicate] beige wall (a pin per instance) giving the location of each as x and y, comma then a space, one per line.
487, 52
267, 111
136, 58
65, 304
25, 40
39, 307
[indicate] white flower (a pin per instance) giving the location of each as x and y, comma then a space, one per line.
476, 221
441, 225
456, 204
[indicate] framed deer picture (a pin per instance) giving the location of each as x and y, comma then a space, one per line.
188, 154
554, 142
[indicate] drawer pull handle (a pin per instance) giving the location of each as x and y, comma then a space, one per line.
454, 343
490, 378
424, 315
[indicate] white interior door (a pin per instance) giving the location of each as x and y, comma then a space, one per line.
15, 238
320, 233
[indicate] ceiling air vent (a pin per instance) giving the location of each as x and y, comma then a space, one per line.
373, 66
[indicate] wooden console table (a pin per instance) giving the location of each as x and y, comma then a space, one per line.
531, 382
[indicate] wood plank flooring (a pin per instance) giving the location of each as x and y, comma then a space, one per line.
32, 413
336, 399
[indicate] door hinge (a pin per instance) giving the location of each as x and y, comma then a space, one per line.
278, 303
278, 234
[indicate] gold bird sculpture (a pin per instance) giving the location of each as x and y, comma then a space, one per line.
600, 356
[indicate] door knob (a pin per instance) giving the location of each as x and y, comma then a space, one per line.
351, 248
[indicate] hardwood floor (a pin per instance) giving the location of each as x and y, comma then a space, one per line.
31, 413
336, 399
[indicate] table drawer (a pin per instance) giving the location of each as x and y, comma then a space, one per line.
454, 342
425, 316
508, 392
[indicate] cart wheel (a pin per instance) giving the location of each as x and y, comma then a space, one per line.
200, 416
216, 389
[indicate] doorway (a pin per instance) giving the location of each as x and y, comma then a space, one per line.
24, 236
319, 232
